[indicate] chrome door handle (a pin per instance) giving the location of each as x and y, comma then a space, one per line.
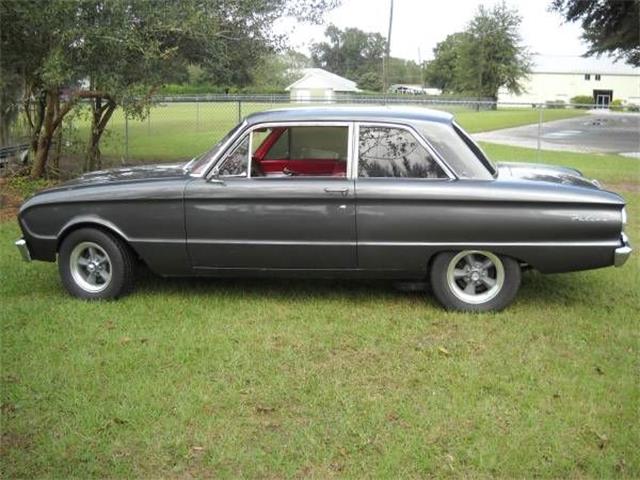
341, 191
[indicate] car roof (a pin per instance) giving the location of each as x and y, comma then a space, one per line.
349, 113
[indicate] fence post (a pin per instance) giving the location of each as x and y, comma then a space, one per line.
126, 137
197, 114
539, 143
239, 110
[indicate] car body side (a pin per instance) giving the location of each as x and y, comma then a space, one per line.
183, 224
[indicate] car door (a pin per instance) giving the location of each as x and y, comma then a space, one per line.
402, 205
242, 218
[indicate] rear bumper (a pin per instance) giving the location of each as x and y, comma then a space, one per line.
23, 248
623, 252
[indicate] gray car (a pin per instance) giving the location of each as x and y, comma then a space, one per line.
352, 192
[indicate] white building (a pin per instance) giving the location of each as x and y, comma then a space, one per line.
559, 77
318, 84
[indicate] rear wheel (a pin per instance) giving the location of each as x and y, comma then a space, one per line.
474, 280
95, 265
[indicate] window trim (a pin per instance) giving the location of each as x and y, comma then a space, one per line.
248, 131
421, 140
223, 150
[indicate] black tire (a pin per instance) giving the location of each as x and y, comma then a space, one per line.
502, 297
120, 259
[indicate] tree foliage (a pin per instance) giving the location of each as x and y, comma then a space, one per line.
358, 56
486, 56
440, 72
278, 70
609, 26
351, 53
117, 52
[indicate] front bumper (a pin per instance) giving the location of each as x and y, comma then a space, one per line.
623, 252
23, 248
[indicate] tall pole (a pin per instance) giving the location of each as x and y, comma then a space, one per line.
385, 62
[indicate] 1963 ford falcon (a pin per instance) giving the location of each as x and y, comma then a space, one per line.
360, 192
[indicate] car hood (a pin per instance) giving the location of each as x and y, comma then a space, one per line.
545, 173
126, 174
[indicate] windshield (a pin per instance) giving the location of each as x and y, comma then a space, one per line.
198, 165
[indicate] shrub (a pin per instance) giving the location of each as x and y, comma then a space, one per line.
616, 105
632, 107
556, 104
585, 100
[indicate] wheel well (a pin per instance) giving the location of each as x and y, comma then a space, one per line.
95, 226
523, 265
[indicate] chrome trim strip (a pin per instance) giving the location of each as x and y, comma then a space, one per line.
622, 254
406, 244
314, 243
489, 244
422, 141
223, 150
23, 248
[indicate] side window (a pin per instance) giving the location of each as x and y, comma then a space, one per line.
235, 164
292, 151
280, 149
387, 152
319, 143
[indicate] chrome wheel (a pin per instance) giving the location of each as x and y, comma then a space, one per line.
475, 276
90, 267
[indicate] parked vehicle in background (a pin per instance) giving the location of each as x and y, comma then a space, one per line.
351, 192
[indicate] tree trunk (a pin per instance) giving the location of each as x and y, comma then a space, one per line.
58, 150
35, 124
101, 113
45, 136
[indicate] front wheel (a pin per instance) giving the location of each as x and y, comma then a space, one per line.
95, 265
475, 280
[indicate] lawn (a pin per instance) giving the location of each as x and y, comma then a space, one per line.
220, 378
179, 131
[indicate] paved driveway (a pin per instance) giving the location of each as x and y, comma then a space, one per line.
596, 132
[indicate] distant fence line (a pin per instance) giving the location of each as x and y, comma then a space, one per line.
181, 126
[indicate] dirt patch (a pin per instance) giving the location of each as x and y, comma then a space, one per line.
628, 187
13, 441
9, 202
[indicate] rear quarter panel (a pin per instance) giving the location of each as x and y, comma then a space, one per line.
403, 223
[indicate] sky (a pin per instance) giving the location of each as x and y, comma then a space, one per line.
418, 25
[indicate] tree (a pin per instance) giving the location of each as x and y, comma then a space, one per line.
278, 70
486, 56
609, 26
117, 52
440, 72
371, 81
400, 70
351, 53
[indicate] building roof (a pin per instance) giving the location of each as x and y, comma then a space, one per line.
576, 64
317, 78
350, 113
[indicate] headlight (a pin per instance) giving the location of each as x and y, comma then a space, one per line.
624, 217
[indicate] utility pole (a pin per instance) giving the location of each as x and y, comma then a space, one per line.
385, 60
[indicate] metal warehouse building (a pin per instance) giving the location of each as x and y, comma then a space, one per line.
559, 77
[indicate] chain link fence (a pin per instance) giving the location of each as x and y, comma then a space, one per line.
179, 128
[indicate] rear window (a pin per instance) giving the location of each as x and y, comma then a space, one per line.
457, 150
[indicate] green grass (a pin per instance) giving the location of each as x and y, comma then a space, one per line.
178, 131
228, 378
609, 168
474, 122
